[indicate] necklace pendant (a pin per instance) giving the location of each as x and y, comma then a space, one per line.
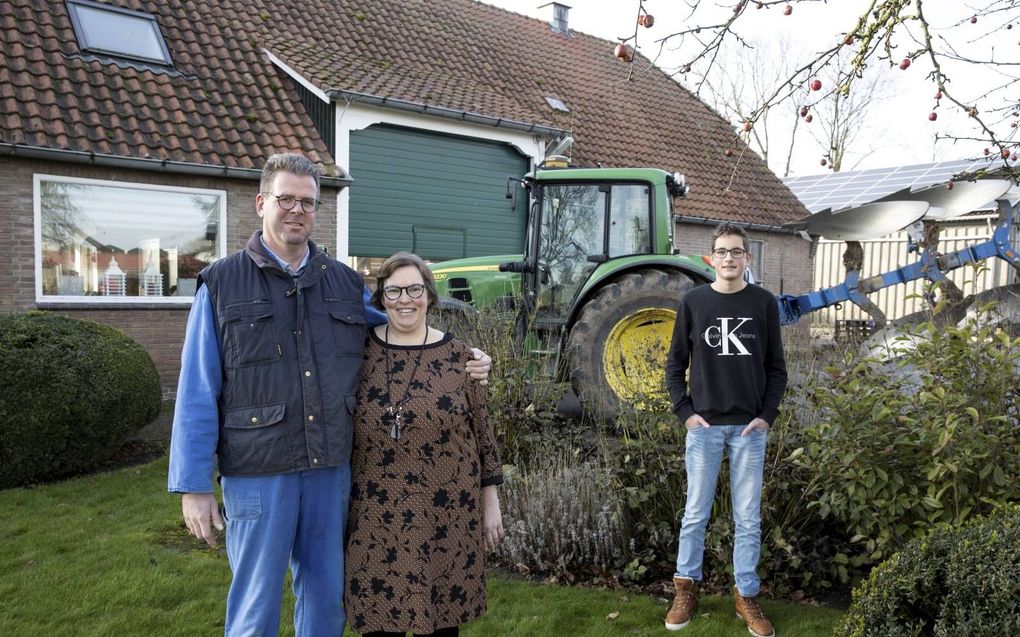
395, 429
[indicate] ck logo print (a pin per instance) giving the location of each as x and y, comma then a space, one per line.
728, 338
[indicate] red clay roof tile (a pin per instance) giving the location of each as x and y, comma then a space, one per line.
224, 103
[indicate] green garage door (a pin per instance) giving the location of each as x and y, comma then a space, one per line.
441, 196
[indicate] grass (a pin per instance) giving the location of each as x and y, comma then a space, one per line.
107, 554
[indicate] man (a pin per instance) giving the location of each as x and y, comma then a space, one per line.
269, 374
727, 335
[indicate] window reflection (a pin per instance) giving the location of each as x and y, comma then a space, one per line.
104, 240
573, 227
629, 221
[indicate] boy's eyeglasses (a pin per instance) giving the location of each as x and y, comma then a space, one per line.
737, 253
287, 203
393, 292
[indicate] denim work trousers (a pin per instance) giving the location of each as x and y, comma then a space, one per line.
705, 447
297, 518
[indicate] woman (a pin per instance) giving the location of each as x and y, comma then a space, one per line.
425, 469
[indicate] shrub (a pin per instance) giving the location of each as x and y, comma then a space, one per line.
866, 455
563, 518
926, 439
70, 392
962, 581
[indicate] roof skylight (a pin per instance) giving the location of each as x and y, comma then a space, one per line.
107, 30
556, 104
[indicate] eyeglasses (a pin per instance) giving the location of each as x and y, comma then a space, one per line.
393, 292
287, 203
737, 253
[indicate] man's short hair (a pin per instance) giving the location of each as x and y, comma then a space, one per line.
724, 229
288, 163
393, 264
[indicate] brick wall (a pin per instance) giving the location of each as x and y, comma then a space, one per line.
159, 329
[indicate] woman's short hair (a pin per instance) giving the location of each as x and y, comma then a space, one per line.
394, 263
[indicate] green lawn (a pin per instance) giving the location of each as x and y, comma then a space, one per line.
107, 555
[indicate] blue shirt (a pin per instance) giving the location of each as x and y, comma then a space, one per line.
196, 415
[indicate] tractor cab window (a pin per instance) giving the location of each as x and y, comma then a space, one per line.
629, 220
572, 228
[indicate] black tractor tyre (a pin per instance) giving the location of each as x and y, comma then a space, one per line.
454, 316
627, 326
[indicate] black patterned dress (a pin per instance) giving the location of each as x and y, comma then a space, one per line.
415, 544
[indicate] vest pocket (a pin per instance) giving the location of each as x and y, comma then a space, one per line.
348, 328
255, 416
255, 440
250, 336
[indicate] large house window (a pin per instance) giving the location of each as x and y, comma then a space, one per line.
108, 30
113, 242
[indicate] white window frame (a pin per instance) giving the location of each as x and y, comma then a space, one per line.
41, 299
757, 249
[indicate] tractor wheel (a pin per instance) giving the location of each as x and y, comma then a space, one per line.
618, 345
454, 316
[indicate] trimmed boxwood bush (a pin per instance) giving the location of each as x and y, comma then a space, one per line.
956, 581
70, 392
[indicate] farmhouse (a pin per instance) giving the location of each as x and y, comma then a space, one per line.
132, 133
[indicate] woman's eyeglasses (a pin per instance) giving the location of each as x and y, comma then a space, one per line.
393, 292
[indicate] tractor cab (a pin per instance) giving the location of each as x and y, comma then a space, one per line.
598, 282
579, 220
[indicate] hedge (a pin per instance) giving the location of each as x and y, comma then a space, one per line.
71, 392
955, 581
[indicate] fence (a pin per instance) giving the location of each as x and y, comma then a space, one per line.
887, 253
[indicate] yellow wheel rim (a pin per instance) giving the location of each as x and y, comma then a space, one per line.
634, 358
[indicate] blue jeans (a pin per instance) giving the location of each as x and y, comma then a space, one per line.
705, 448
296, 519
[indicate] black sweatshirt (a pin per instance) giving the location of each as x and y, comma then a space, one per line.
733, 347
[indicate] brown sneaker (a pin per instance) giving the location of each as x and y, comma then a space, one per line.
684, 603
748, 610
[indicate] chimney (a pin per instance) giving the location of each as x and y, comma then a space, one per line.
558, 16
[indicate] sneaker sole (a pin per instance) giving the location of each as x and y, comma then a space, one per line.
772, 634
675, 627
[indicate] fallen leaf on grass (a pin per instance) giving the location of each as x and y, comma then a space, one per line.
613, 615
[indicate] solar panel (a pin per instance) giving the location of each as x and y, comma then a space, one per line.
856, 188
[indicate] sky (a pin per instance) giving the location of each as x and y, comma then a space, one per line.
897, 130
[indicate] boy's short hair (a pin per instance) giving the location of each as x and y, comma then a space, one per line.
724, 229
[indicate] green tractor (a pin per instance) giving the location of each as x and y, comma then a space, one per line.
596, 290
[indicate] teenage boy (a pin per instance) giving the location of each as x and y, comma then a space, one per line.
727, 336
